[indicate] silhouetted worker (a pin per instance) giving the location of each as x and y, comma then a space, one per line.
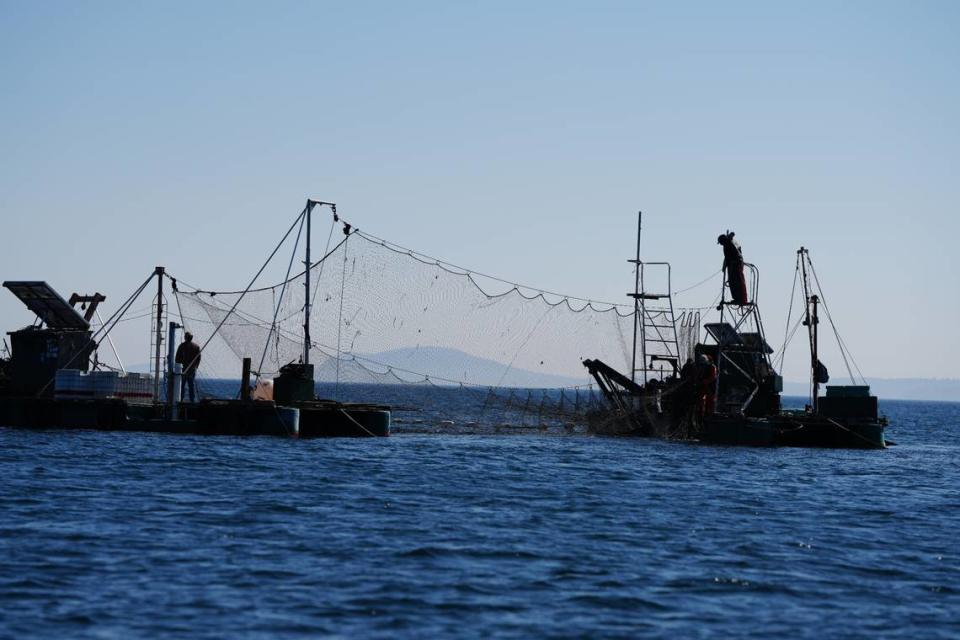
188, 355
733, 265
706, 385
685, 398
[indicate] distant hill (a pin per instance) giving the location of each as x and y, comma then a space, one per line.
441, 362
453, 364
946, 389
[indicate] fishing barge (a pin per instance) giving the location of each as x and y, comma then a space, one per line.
53, 378
725, 390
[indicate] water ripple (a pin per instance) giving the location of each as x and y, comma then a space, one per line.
150, 535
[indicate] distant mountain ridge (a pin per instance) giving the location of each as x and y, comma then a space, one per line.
453, 364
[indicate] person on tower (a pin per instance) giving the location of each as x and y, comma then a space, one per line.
733, 265
188, 355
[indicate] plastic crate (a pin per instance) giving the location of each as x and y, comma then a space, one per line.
71, 384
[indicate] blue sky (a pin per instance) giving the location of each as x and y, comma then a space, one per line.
515, 138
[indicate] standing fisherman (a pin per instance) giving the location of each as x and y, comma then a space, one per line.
733, 264
706, 385
188, 355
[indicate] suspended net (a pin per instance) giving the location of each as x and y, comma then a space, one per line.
455, 341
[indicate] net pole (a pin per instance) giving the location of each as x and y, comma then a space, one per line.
636, 300
306, 287
158, 272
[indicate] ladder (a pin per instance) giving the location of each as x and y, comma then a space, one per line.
656, 327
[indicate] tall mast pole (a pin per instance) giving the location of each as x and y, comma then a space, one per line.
306, 289
810, 321
815, 320
158, 271
636, 301
307, 263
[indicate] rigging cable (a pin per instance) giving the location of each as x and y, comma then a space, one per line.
704, 281
786, 329
321, 263
273, 324
112, 346
783, 351
468, 272
244, 293
844, 352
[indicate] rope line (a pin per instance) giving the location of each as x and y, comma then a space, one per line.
273, 324
823, 299
793, 295
260, 271
704, 281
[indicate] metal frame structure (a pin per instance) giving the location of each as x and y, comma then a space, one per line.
750, 317
641, 316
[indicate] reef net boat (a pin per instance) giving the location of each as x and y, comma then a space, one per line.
53, 376
452, 350
725, 390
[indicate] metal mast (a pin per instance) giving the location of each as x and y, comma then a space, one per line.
811, 320
636, 303
159, 272
306, 289
306, 272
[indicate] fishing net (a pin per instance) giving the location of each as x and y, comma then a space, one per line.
386, 316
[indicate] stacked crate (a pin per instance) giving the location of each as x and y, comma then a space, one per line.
71, 384
135, 388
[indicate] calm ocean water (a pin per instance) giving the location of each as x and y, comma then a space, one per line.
108, 535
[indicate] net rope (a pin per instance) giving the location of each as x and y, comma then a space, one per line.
386, 315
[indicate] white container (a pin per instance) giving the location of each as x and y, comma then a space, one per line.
104, 383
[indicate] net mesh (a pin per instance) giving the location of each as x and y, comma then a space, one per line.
383, 315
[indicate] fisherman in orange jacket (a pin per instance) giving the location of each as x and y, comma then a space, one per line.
707, 385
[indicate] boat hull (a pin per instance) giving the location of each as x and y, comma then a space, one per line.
785, 430
214, 417
792, 431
